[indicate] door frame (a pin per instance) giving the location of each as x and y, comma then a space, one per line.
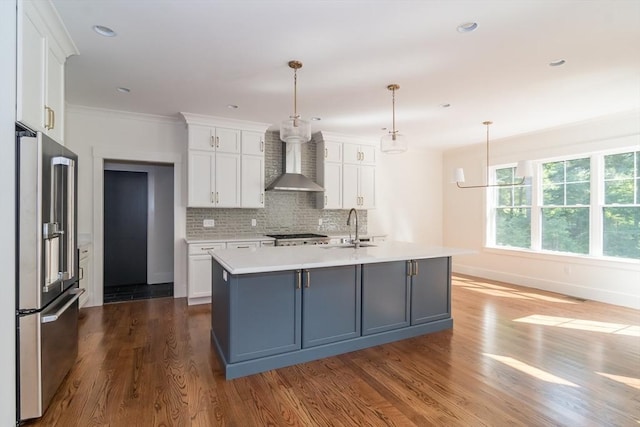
102, 154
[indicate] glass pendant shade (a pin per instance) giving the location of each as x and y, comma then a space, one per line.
393, 143
294, 130
458, 175
524, 169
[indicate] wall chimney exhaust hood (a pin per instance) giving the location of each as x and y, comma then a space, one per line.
292, 178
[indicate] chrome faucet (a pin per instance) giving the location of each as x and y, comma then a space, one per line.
356, 242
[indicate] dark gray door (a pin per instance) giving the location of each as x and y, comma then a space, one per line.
125, 228
431, 290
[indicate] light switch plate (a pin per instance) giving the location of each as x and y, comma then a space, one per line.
209, 223
253, 222
319, 221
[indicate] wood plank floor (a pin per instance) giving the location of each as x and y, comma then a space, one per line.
515, 356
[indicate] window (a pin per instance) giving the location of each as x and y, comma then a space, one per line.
513, 210
566, 202
589, 205
621, 211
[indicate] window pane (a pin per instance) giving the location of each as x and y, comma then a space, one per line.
553, 194
578, 170
513, 227
578, 193
553, 172
618, 166
566, 229
504, 197
504, 176
621, 233
619, 191
522, 196
638, 190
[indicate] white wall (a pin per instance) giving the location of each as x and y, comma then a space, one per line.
7, 211
616, 282
408, 191
102, 135
159, 218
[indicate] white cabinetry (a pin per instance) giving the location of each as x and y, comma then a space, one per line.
347, 171
85, 272
225, 162
199, 272
43, 47
329, 174
252, 179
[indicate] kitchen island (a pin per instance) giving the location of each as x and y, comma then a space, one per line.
279, 306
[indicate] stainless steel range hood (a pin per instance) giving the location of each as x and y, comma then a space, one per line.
292, 178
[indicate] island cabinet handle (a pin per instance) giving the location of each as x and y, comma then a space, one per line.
308, 278
409, 268
299, 279
415, 268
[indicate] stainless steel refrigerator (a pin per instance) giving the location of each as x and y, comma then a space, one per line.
47, 270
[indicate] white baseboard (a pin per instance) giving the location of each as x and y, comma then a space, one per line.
571, 289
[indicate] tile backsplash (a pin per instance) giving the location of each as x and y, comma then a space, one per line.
284, 212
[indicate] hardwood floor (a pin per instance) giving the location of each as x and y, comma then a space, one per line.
514, 357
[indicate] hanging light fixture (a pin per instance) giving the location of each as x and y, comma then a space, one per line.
394, 141
294, 130
523, 170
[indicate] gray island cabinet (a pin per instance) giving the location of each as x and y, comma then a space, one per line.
279, 306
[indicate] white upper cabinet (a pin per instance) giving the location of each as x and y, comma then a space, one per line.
346, 170
359, 154
43, 47
226, 162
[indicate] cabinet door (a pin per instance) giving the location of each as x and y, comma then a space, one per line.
330, 305
85, 277
431, 290
252, 181
55, 96
265, 315
227, 140
367, 187
31, 72
332, 186
332, 152
199, 276
351, 153
201, 138
368, 154
201, 191
350, 186
227, 180
385, 297
252, 143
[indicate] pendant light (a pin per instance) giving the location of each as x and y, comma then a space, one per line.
394, 142
294, 130
523, 170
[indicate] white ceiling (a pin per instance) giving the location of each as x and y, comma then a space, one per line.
198, 56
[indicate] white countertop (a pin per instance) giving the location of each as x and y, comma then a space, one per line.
280, 258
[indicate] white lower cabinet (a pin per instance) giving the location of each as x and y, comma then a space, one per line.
85, 273
199, 272
243, 245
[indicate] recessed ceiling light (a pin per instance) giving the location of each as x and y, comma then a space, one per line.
104, 31
557, 63
123, 89
232, 107
467, 27
446, 105
316, 119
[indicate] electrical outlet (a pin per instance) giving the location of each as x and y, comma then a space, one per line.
209, 223
253, 222
319, 221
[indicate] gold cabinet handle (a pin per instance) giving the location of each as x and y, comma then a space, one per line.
299, 285
415, 268
217, 197
261, 146
409, 268
212, 199
326, 202
47, 120
217, 142
53, 118
362, 156
308, 278
326, 153
212, 140
261, 198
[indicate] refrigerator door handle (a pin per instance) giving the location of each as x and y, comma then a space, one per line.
55, 316
69, 245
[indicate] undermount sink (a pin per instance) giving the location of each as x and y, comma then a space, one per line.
350, 245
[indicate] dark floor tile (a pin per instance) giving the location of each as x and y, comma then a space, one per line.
136, 292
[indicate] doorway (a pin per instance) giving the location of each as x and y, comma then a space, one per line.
138, 231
